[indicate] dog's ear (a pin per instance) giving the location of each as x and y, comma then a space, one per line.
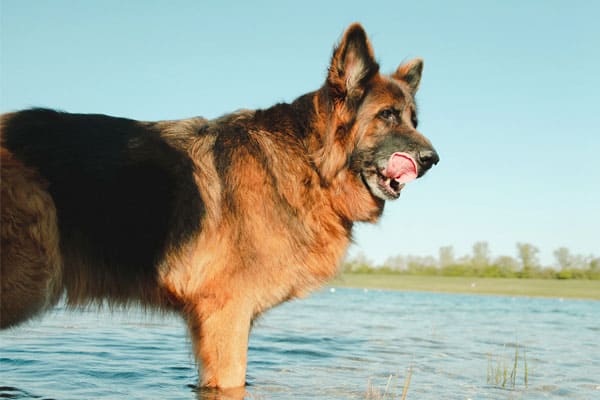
352, 65
410, 72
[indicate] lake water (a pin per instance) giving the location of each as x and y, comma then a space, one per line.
333, 345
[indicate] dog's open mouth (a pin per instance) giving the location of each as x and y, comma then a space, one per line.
387, 181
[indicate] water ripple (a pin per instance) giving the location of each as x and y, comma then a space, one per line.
329, 346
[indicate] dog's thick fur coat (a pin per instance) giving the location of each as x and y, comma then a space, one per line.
217, 220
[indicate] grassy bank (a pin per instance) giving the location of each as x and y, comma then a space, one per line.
583, 289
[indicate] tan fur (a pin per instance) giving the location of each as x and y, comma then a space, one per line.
30, 261
274, 229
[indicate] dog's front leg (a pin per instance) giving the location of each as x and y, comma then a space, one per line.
220, 339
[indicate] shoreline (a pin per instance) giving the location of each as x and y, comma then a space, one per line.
549, 288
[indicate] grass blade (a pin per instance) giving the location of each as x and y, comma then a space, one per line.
406, 383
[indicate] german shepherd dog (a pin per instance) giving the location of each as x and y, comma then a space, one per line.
218, 220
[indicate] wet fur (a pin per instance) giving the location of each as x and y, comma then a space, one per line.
217, 220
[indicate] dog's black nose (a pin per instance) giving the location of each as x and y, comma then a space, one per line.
428, 158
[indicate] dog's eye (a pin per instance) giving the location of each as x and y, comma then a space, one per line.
389, 114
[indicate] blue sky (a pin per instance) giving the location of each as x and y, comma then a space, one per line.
509, 96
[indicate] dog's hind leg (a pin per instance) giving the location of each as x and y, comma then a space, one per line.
30, 261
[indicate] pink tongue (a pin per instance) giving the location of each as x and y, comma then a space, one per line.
401, 167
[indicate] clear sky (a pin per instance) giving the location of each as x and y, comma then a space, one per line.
510, 95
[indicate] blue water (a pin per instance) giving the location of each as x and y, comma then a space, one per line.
333, 345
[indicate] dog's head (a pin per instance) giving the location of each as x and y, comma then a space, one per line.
371, 127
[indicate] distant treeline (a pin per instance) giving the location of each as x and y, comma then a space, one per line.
480, 264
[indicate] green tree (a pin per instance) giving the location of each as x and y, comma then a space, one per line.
396, 263
421, 265
580, 262
359, 263
507, 266
563, 258
594, 267
446, 256
481, 255
528, 255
